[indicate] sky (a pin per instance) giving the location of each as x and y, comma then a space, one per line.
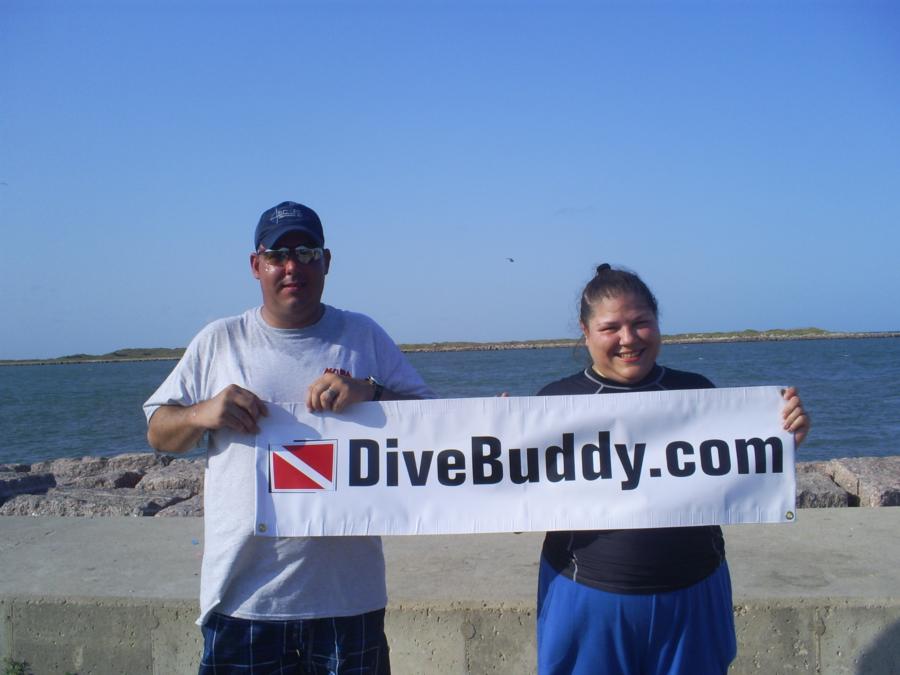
742, 157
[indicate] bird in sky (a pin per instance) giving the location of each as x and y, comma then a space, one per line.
511, 260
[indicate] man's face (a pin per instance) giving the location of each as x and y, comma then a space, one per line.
292, 292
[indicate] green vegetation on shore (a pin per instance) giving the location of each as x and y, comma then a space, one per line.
140, 354
170, 354
748, 335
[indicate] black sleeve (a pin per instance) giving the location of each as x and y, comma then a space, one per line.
573, 384
681, 379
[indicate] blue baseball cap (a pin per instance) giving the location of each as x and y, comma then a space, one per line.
287, 217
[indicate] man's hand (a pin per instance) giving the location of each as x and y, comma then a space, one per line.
175, 428
795, 418
335, 392
232, 408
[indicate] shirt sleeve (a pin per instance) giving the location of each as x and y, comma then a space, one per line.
395, 371
182, 386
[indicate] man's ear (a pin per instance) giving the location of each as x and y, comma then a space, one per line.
327, 258
254, 265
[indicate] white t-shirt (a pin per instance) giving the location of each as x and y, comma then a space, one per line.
273, 578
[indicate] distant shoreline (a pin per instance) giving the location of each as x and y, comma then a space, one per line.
681, 338
167, 354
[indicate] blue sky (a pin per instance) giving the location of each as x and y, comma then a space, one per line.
744, 158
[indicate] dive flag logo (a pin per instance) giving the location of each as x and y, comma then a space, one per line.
302, 466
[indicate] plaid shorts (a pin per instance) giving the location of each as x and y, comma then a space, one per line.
347, 645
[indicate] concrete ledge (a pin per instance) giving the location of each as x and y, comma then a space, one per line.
87, 635
118, 595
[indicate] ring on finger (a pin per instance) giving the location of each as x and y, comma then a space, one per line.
329, 393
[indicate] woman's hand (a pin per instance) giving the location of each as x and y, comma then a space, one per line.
795, 418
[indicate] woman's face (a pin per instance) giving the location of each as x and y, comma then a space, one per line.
622, 336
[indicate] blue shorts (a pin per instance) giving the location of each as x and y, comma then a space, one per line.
583, 631
347, 644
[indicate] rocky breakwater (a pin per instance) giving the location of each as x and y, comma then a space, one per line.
145, 484
134, 484
849, 481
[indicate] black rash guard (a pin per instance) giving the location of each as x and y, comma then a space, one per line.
634, 561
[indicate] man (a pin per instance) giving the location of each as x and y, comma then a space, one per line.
268, 604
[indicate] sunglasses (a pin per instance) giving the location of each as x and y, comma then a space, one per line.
301, 254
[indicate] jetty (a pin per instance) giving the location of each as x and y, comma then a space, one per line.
101, 564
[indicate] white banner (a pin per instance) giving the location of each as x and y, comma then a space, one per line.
449, 466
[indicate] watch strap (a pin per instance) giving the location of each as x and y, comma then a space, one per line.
379, 388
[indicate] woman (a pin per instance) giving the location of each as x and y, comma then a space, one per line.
649, 602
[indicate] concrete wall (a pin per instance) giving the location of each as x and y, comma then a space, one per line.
87, 635
83, 635
117, 595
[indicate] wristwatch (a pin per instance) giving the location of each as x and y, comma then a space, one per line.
379, 388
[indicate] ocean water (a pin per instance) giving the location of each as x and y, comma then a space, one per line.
850, 387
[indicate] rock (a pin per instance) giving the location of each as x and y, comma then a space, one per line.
13, 483
181, 474
70, 501
70, 470
140, 462
107, 480
815, 489
813, 467
192, 507
101, 486
70, 467
873, 481
18, 468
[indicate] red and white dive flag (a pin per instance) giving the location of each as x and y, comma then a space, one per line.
302, 466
